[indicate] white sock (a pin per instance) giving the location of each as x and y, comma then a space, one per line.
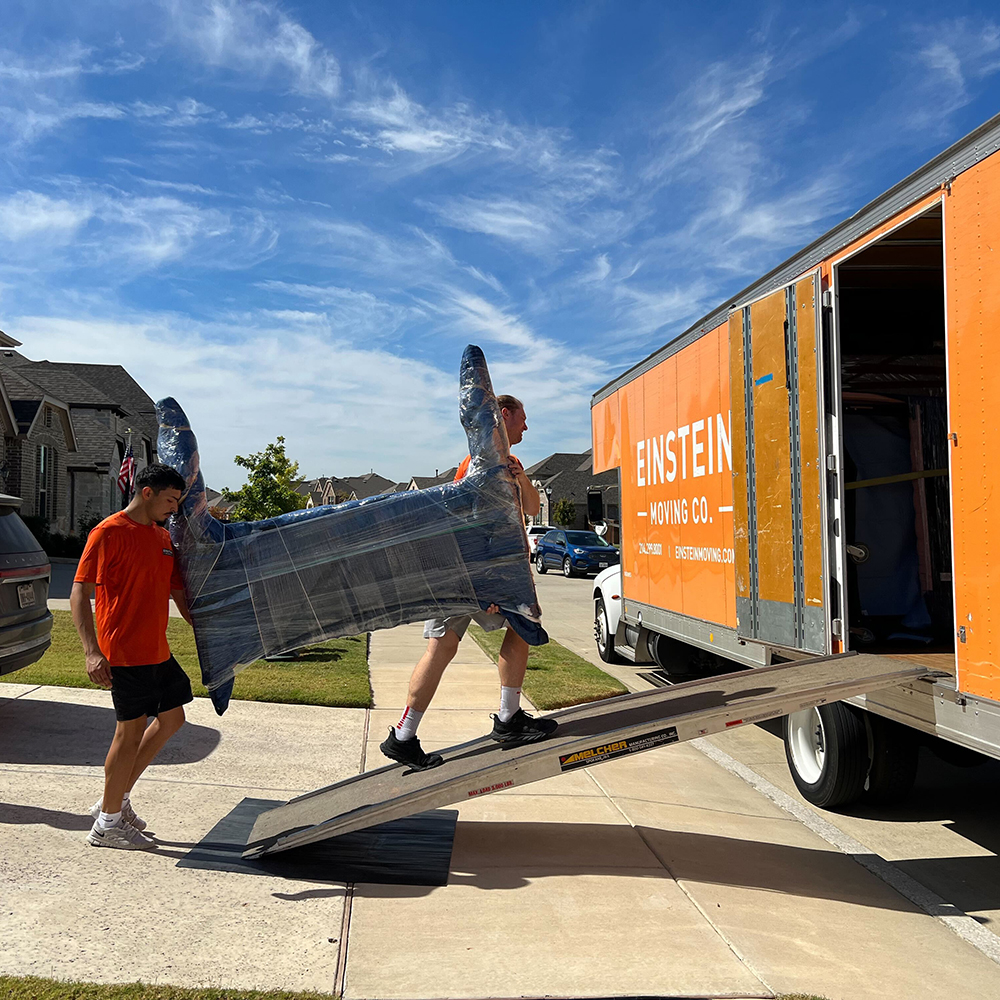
510, 702
406, 728
107, 820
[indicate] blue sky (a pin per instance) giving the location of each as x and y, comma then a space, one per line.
293, 217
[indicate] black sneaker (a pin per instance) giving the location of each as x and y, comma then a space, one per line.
409, 752
522, 728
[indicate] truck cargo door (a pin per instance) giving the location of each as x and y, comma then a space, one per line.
777, 460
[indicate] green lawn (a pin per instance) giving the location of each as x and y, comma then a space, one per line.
333, 673
556, 678
31, 988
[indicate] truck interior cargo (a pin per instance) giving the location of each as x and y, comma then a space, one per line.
891, 328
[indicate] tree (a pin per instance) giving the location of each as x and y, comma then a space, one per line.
269, 490
564, 513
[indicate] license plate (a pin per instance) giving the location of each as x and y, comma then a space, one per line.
603, 565
26, 594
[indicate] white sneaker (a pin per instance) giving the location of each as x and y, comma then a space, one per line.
128, 814
124, 836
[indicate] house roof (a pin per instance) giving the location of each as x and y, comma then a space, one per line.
117, 388
422, 482
63, 385
27, 396
561, 461
370, 485
573, 485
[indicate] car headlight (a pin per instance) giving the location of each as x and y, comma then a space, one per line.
579, 552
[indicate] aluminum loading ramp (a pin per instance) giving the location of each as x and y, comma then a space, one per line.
587, 735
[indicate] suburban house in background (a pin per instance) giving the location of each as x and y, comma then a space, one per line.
570, 476
66, 428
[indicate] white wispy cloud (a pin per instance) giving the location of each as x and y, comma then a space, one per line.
258, 39
30, 215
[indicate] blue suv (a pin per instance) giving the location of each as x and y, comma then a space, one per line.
574, 552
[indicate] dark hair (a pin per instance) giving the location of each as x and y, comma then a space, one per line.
159, 477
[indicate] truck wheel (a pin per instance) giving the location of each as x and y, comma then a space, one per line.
827, 753
540, 563
567, 567
602, 632
893, 761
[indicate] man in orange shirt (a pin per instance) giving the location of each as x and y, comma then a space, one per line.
129, 561
511, 724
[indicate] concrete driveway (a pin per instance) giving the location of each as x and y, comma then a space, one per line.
663, 874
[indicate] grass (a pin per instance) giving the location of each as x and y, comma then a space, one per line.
556, 677
33, 988
333, 673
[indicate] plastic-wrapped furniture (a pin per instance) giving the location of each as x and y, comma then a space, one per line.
261, 588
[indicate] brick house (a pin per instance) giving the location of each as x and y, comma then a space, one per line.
73, 425
570, 476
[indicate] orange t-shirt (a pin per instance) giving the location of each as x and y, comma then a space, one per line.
134, 569
464, 467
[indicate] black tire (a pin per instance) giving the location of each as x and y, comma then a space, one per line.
567, 567
605, 640
837, 776
540, 563
893, 761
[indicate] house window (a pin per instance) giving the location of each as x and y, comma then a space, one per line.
46, 482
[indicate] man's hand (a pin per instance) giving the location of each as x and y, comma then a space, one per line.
99, 670
493, 609
514, 466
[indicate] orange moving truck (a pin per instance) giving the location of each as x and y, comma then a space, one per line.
808, 470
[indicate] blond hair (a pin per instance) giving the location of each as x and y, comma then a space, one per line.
511, 403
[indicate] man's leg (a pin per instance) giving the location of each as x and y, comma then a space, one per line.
402, 744
154, 739
109, 830
120, 761
430, 669
511, 724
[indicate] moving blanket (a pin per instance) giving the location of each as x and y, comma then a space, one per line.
261, 588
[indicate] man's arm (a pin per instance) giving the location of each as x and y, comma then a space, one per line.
98, 668
530, 502
180, 599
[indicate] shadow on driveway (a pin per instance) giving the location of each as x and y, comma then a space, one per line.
55, 732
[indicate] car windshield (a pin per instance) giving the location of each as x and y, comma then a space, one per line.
585, 538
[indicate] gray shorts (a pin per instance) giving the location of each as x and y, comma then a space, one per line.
435, 628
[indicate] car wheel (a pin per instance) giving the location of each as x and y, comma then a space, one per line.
827, 752
540, 563
602, 633
567, 567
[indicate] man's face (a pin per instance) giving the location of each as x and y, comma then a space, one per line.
516, 423
161, 505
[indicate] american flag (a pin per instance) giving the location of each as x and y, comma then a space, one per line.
126, 475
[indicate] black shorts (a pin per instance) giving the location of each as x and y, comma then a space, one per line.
149, 690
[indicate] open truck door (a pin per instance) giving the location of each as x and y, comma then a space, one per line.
779, 517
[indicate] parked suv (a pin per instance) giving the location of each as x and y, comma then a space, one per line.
535, 533
574, 552
25, 620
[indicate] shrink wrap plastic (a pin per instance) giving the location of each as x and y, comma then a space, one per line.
262, 588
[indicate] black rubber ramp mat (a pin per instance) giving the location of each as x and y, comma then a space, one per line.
415, 850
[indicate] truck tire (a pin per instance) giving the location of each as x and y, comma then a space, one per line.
602, 633
540, 563
892, 767
827, 753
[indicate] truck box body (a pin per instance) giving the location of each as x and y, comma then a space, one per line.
809, 468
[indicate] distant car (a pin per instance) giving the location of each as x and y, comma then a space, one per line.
25, 620
574, 552
535, 533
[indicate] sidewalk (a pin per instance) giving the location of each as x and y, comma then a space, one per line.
661, 875
658, 875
